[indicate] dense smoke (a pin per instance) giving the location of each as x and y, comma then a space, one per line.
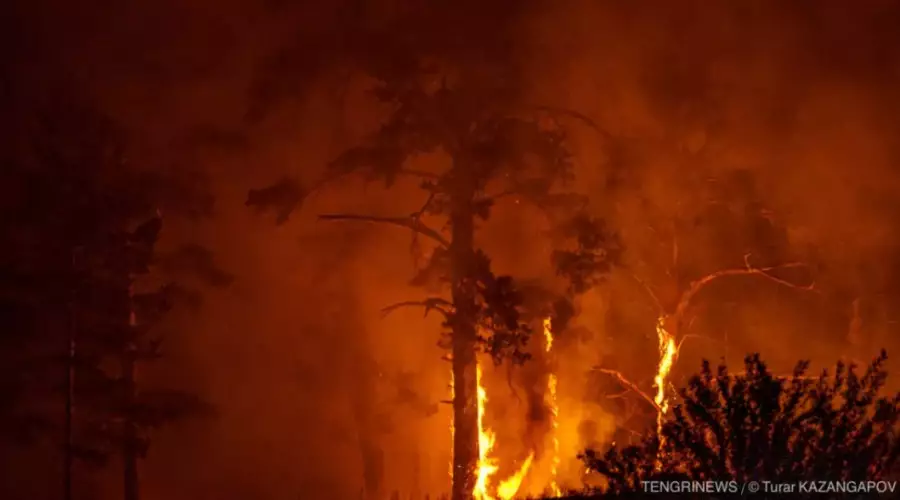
732, 133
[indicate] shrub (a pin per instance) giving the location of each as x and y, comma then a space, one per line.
756, 426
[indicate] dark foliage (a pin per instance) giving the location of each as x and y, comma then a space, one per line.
494, 143
283, 198
760, 427
79, 229
194, 260
587, 254
384, 38
596, 250
115, 325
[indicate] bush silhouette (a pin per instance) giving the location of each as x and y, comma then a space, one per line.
756, 426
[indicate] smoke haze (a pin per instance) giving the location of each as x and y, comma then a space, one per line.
783, 111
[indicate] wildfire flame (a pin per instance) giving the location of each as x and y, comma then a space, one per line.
487, 466
554, 411
668, 350
508, 489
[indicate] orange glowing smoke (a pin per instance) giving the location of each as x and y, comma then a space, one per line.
667, 353
554, 411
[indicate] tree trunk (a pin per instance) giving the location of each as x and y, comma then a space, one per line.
373, 468
70, 405
130, 431
130, 436
71, 335
465, 409
364, 396
416, 475
465, 402
365, 413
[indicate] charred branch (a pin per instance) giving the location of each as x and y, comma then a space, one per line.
432, 304
650, 293
696, 286
577, 116
414, 247
422, 174
410, 223
629, 384
685, 337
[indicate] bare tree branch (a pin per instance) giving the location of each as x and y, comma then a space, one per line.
685, 337
334, 176
629, 384
576, 115
420, 212
618, 395
418, 173
649, 291
407, 222
501, 194
696, 286
414, 248
434, 303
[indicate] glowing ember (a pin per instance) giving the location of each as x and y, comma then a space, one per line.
554, 411
486, 466
508, 488
667, 353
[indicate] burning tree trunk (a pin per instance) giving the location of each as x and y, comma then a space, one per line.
552, 405
668, 351
465, 413
463, 342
